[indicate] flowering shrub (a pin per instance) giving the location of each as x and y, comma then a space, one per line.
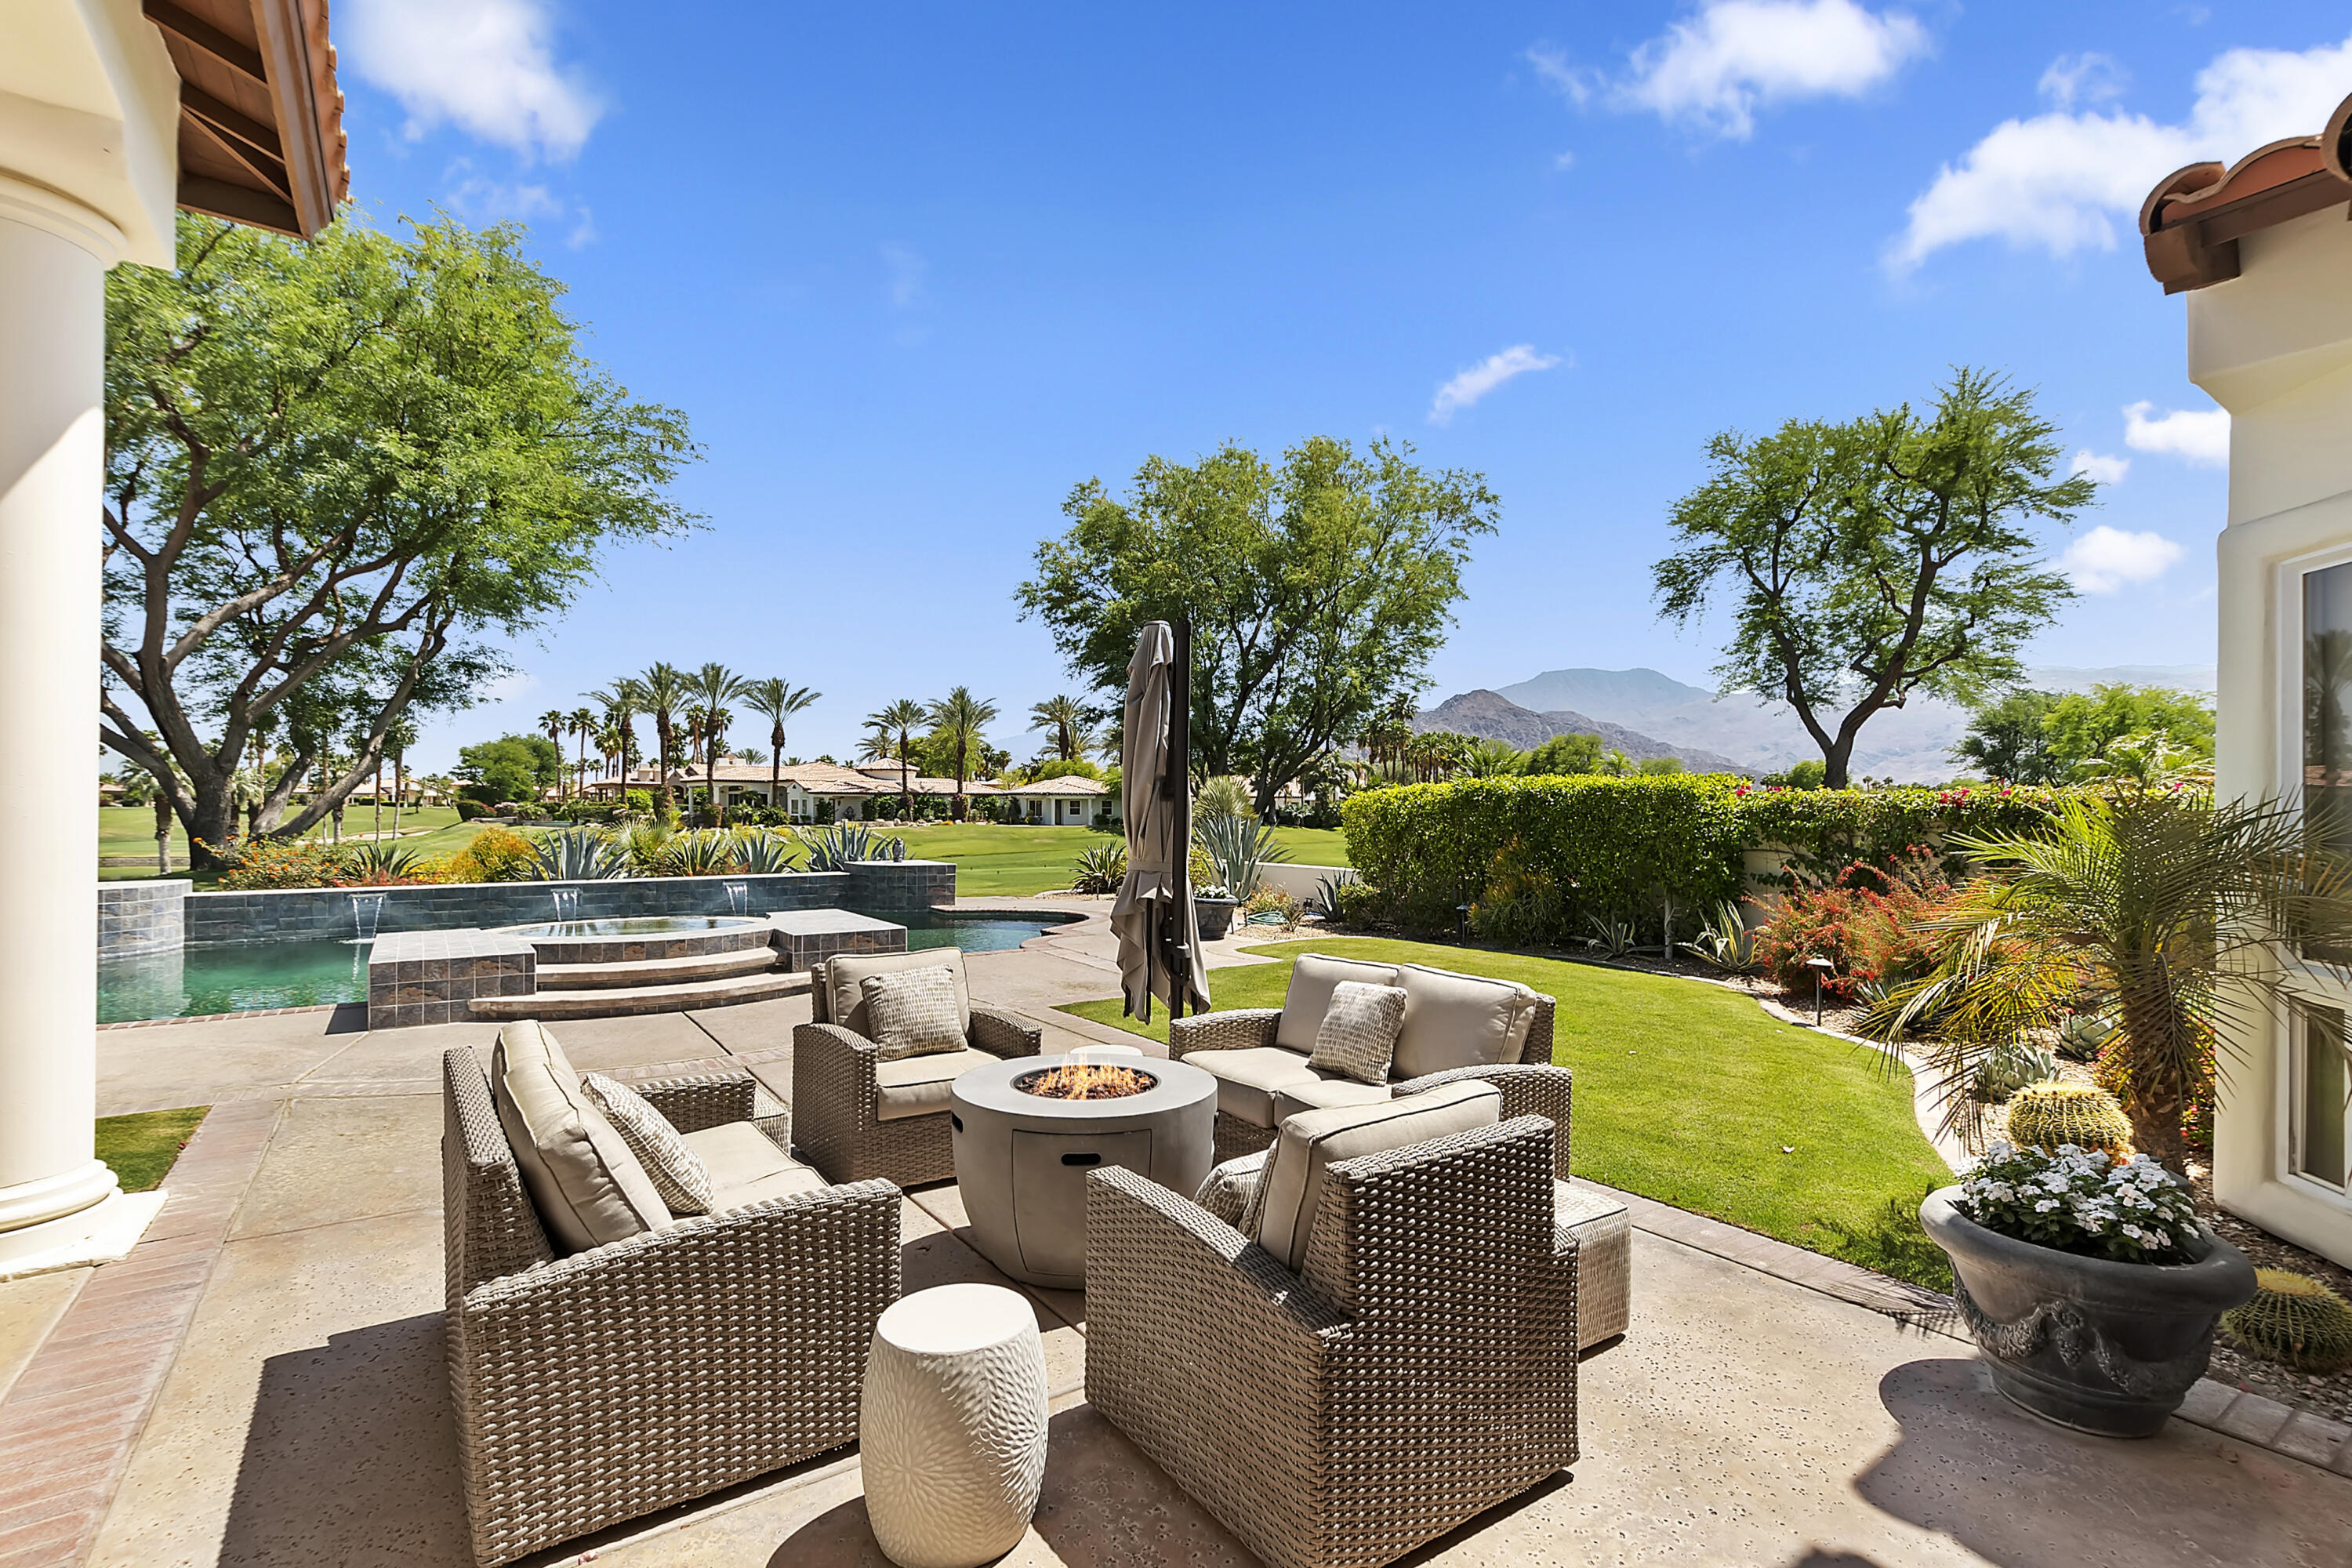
2083, 1201
496, 855
1869, 921
250, 863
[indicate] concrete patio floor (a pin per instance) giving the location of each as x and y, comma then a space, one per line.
1748, 1417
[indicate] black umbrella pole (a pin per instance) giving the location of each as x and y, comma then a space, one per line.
1178, 781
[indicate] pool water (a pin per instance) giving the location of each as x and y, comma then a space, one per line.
639, 925
250, 976
231, 977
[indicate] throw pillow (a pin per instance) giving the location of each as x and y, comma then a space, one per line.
913, 1013
1358, 1034
677, 1173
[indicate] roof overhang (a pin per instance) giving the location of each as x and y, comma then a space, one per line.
261, 136
2191, 222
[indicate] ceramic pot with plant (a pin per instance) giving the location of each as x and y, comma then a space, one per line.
1213, 910
2089, 1283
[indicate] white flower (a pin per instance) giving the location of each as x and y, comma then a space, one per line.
2045, 1204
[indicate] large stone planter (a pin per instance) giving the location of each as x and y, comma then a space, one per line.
1214, 917
2102, 1347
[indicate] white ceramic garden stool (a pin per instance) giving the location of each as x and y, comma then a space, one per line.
951, 1430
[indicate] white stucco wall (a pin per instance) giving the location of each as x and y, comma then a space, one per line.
2274, 347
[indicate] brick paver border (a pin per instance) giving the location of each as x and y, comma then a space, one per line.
68, 1423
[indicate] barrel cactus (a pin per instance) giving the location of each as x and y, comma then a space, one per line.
2045, 1115
2294, 1320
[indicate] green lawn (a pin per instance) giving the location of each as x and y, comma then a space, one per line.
1688, 1094
130, 830
994, 862
141, 1147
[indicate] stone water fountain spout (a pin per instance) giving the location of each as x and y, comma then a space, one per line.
738, 897
567, 903
367, 908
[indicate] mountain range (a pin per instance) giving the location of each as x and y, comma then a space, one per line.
1646, 714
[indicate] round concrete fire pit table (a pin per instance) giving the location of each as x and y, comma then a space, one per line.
1022, 1159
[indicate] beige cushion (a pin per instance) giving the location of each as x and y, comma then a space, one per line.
670, 1164
1326, 1094
1225, 1190
1247, 1079
917, 1086
844, 997
913, 1013
747, 1167
1290, 1195
588, 1188
1459, 1021
1358, 1034
1309, 997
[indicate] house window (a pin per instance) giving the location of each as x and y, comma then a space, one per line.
2326, 703
2321, 1089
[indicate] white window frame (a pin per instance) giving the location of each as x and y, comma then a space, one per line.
2302, 981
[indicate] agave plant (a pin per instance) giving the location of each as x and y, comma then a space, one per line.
1724, 942
1101, 870
765, 851
1239, 848
706, 852
836, 848
378, 862
579, 854
1611, 937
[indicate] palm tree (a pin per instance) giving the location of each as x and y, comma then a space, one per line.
957, 718
714, 686
620, 709
893, 739
581, 722
1066, 717
398, 736
661, 692
552, 724
777, 700
2163, 907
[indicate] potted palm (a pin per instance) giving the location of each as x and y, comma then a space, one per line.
2089, 1284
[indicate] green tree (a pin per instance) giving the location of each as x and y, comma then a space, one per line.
2048, 738
335, 471
661, 692
1064, 719
956, 721
1565, 754
1317, 590
713, 687
551, 725
1868, 560
581, 722
1659, 767
1494, 759
890, 736
512, 767
2006, 739
776, 701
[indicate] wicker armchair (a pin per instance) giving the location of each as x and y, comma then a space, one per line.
838, 1100
598, 1387
1420, 1369
1531, 1086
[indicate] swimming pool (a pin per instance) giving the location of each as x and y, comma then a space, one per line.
252, 976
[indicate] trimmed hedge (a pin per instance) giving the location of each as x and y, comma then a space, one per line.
1617, 849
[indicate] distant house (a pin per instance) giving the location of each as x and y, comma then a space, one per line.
803, 787
1072, 800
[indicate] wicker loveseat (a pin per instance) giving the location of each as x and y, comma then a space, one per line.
1455, 1026
625, 1378
1418, 1368
858, 1117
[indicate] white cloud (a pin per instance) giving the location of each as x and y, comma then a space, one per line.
1717, 67
480, 199
2201, 436
2105, 559
906, 269
1476, 382
2106, 470
2062, 181
2088, 77
486, 66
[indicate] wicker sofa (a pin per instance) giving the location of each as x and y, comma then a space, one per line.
1418, 1369
858, 1117
597, 1387
1258, 1055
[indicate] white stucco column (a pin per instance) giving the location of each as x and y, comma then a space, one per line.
53, 260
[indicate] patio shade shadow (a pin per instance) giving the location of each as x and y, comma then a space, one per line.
2017, 1489
350, 1456
349, 1018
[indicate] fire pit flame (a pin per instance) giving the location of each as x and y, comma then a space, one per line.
1085, 1081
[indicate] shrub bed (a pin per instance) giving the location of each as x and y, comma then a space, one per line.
1538, 859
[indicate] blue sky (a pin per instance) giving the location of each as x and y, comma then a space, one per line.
914, 272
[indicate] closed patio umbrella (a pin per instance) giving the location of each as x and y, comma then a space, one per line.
1158, 941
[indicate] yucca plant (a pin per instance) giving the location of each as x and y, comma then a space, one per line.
1239, 848
1101, 870
2174, 908
579, 854
1724, 942
835, 849
765, 851
706, 852
378, 862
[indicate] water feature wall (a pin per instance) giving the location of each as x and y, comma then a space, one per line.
879, 886
141, 917
367, 908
